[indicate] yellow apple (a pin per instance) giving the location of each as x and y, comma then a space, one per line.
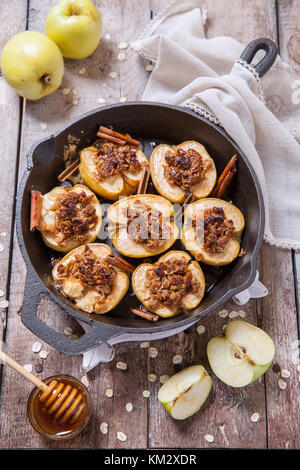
75, 26
32, 64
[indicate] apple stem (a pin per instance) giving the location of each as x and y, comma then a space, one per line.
46, 79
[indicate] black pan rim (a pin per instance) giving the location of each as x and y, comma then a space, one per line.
178, 323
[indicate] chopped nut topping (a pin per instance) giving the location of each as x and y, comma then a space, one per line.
76, 216
215, 229
91, 272
146, 225
185, 168
113, 159
169, 281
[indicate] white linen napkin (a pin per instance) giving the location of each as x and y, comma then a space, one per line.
261, 115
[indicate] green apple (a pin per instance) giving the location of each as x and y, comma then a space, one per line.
242, 355
184, 393
32, 64
75, 26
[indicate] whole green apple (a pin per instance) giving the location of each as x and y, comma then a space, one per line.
242, 355
32, 64
75, 26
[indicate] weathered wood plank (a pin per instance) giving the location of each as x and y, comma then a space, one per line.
227, 416
123, 21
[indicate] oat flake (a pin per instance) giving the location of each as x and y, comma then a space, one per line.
121, 436
66, 91
209, 438
121, 56
254, 417
43, 125
285, 373
177, 359
282, 384
123, 45
107, 37
28, 367
242, 314
153, 352
75, 102
223, 313
298, 367
4, 304
121, 365
152, 377
129, 407
43, 354
233, 314
145, 344
123, 99
2, 293
163, 378
200, 329
104, 428
82, 71
36, 347
149, 68
112, 74
1, 248
109, 392
146, 394
101, 100
85, 380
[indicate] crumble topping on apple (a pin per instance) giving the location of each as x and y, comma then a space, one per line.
70, 217
173, 284
84, 276
112, 170
183, 168
215, 228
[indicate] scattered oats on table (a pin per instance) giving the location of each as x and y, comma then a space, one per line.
43, 125
112, 74
28, 367
121, 365
285, 373
255, 417
75, 102
2, 293
101, 100
85, 380
3, 234
282, 384
109, 392
82, 71
152, 377
149, 68
121, 436
163, 378
121, 56
177, 359
68, 331
145, 344
107, 37
123, 99
233, 314
209, 438
1, 248
146, 393
153, 352
200, 329
104, 428
129, 407
123, 45
36, 347
43, 354
223, 313
4, 304
242, 314
66, 91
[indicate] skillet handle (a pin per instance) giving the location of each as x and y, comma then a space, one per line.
34, 292
267, 61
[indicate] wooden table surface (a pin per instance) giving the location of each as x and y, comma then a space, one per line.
227, 413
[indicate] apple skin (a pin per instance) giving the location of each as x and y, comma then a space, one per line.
75, 26
32, 64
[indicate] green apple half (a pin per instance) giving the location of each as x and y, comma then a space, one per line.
75, 26
185, 392
242, 355
32, 64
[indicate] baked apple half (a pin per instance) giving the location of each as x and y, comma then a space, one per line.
142, 225
212, 231
173, 284
182, 169
69, 217
112, 170
85, 277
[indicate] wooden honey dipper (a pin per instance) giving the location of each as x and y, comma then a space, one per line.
63, 402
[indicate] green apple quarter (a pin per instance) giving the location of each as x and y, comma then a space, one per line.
75, 26
242, 355
185, 392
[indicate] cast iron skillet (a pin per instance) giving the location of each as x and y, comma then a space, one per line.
152, 123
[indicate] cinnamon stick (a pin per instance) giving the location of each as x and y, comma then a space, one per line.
120, 263
35, 210
111, 138
143, 184
110, 132
221, 186
144, 314
64, 175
